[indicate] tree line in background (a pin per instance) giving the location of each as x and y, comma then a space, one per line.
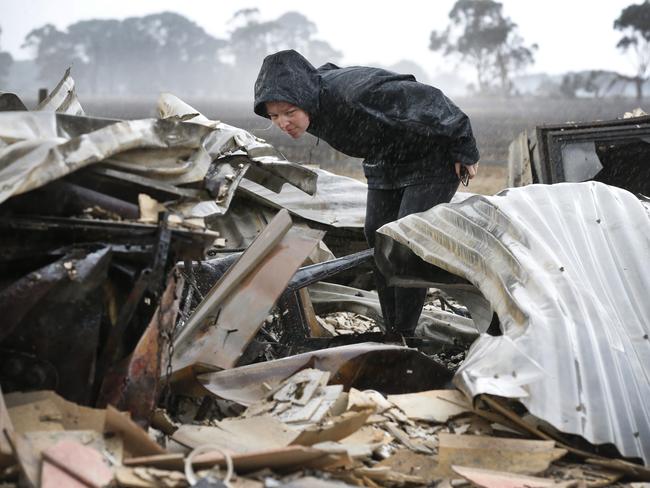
168, 52
480, 35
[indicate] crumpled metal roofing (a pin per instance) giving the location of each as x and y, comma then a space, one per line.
44, 146
183, 147
567, 269
63, 98
339, 201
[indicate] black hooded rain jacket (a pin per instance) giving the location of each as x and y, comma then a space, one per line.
406, 132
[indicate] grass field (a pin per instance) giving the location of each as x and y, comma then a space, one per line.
495, 124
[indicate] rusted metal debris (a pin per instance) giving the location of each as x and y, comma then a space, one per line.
134, 383
181, 270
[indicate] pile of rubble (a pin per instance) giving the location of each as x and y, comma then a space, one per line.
175, 314
303, 431
341, 323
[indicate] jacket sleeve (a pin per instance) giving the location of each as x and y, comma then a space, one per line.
407, 105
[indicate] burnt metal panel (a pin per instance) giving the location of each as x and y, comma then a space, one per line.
232, 312
62, 325
618, 152
135, 384
28, 236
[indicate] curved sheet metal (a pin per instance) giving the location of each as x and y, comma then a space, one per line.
63, 98
39, 148
339, 201
567, 269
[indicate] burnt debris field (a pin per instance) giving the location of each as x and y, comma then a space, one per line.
185, 305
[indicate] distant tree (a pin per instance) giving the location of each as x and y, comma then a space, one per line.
55, 50
569, 85
548, 88
251, 40
5, 63
46, 42
162, 51
167, 51
480, 35
181, 56
634, 23
590, 83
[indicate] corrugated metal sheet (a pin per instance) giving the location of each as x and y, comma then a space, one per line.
567, 269
339, 201
41, 148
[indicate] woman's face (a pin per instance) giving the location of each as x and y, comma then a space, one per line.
289, 118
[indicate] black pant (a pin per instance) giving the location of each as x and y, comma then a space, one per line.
401, 307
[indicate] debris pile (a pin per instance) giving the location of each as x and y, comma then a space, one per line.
301, 430
341, 323
184, 307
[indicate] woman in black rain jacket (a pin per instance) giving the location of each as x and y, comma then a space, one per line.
415, 143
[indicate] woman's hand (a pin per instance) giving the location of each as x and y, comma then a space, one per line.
472, 170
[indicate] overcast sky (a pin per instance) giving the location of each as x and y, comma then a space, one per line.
571, 34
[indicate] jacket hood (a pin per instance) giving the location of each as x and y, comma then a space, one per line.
287, 76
